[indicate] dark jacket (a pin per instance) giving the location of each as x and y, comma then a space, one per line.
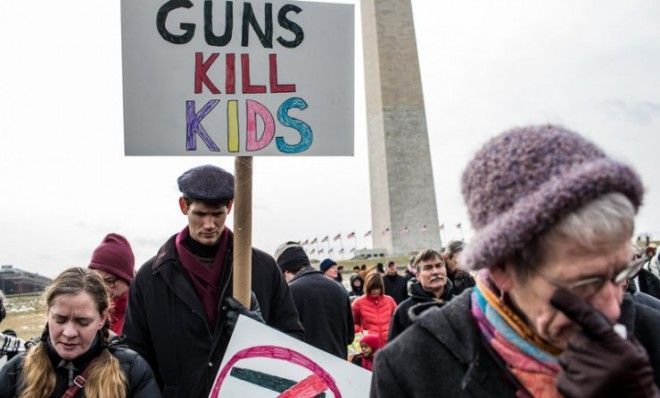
395, 286
402, 317
165, 321
409, 275
324, 310
461, 280
649, 283
645, 299
445, 353
356, 292
141, 381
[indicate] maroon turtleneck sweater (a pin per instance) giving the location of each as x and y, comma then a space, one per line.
204, 272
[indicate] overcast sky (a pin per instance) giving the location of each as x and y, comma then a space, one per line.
486, 66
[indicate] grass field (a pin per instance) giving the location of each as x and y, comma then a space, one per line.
25, 315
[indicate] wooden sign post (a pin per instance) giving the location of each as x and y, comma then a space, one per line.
278, 82
242, 266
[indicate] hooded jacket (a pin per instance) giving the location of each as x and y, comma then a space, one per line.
373, 341
356, 292
402, 317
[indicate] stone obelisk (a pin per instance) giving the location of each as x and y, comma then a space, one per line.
403, 208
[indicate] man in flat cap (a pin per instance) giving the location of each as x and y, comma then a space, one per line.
181, 312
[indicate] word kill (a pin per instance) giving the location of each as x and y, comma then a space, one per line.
254, 108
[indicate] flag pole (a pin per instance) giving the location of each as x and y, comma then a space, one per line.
242, 267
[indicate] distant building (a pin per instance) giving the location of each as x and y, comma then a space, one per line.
17, 281
370, 253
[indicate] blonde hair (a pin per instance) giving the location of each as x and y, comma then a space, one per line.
105, 377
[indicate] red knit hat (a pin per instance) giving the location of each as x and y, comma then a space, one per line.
372, 340
114, 255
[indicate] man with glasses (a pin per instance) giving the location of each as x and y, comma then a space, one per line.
553, 218
114, 260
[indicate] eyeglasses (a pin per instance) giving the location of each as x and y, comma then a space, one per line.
110, 282
587, 287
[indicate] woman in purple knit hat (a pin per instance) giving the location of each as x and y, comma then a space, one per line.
553, 218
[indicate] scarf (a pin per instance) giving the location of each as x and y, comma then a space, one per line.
118, 310
205, 277
527, 356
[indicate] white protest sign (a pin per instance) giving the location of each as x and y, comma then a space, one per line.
237, 78
261, 362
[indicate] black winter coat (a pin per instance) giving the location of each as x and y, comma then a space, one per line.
356, 292
461, 280
165, 321
141, 381
325, 311
395, 286
402, 316
446, 355
649, 283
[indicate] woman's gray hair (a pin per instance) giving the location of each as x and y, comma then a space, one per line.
605, 221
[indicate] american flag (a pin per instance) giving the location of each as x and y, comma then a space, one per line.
337, 237
367, 233
351, 235
324, 239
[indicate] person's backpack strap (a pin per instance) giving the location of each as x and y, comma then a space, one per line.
79, 382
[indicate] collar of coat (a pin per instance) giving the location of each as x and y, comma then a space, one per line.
418, 292
168, 252
308, 270
452, 326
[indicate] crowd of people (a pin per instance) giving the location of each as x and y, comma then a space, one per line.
549, 298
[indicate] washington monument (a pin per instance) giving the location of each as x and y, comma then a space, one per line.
403, 208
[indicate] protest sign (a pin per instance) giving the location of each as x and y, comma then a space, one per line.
247, 78
261, 362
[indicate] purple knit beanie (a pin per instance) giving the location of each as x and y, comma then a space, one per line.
114, 255
522, 182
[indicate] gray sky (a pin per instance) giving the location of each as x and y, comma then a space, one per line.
486, 66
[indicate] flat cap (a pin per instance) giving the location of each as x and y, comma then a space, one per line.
207, 183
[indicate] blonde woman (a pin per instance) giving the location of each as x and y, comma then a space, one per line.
74, 357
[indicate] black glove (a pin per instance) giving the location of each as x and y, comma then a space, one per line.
598, 362
234, 309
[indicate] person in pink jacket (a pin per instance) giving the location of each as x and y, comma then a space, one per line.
373, 310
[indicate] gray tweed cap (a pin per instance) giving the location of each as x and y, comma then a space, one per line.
522, 182
207, 183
